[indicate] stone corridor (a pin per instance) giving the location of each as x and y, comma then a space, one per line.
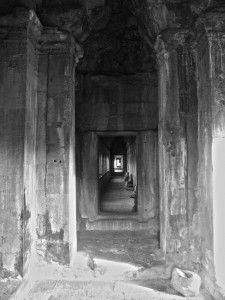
116, 199
91, 90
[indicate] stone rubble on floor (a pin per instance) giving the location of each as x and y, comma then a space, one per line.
186, 282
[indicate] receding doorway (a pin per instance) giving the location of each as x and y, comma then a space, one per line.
118, 164
117, 182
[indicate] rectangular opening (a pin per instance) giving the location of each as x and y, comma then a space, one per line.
118, 164
117, 183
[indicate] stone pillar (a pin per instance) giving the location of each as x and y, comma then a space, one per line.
56, 187
18, 114
189, 115
177, 142
147, 178
89, 189
210, 58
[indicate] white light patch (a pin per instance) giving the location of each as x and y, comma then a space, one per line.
219, 208
113, 270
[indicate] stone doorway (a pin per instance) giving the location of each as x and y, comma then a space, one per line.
117, 182
146, 216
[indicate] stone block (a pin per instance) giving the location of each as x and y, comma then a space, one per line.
186, 282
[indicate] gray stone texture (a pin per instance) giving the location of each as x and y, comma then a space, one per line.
152, 69
185, 282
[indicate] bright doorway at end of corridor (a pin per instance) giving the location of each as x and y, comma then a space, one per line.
118, 164
117, 182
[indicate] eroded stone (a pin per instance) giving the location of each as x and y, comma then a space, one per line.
186, 282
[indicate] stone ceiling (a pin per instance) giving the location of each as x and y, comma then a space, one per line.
117, 36
122, 33
153, 15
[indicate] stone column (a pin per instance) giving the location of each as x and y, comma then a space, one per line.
56, 146
210, 58
18, 114
177, 104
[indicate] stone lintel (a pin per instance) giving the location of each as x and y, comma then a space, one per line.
57, 41
24, 24
54, 39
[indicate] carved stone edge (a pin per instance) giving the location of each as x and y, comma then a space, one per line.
24, 24
169, 40
210, 24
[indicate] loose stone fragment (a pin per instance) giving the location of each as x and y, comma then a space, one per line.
186, 282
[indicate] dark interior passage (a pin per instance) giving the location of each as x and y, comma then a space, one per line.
117, 174
118, 155
117, 198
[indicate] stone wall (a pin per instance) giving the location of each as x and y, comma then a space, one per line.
178, 150
104, 177
205, 150
55, 147
18, 98
211, 126
179, 116
189, 113
191, 121
147, 176
132, 158
38, 135
117, 103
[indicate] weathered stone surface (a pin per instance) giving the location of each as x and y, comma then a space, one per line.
172, 149
117, 103
147, 175
210, 57
18, 69
71, 19
103, 290
186, 282
139, 248
116, 90
9, 287
55, 142
153, 16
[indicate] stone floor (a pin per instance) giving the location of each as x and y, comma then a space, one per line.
96, 280
100, 290
116, 199
8, 287
109, 265
135, 247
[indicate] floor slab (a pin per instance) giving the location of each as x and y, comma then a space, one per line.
116, 198
136, 247
85, 290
